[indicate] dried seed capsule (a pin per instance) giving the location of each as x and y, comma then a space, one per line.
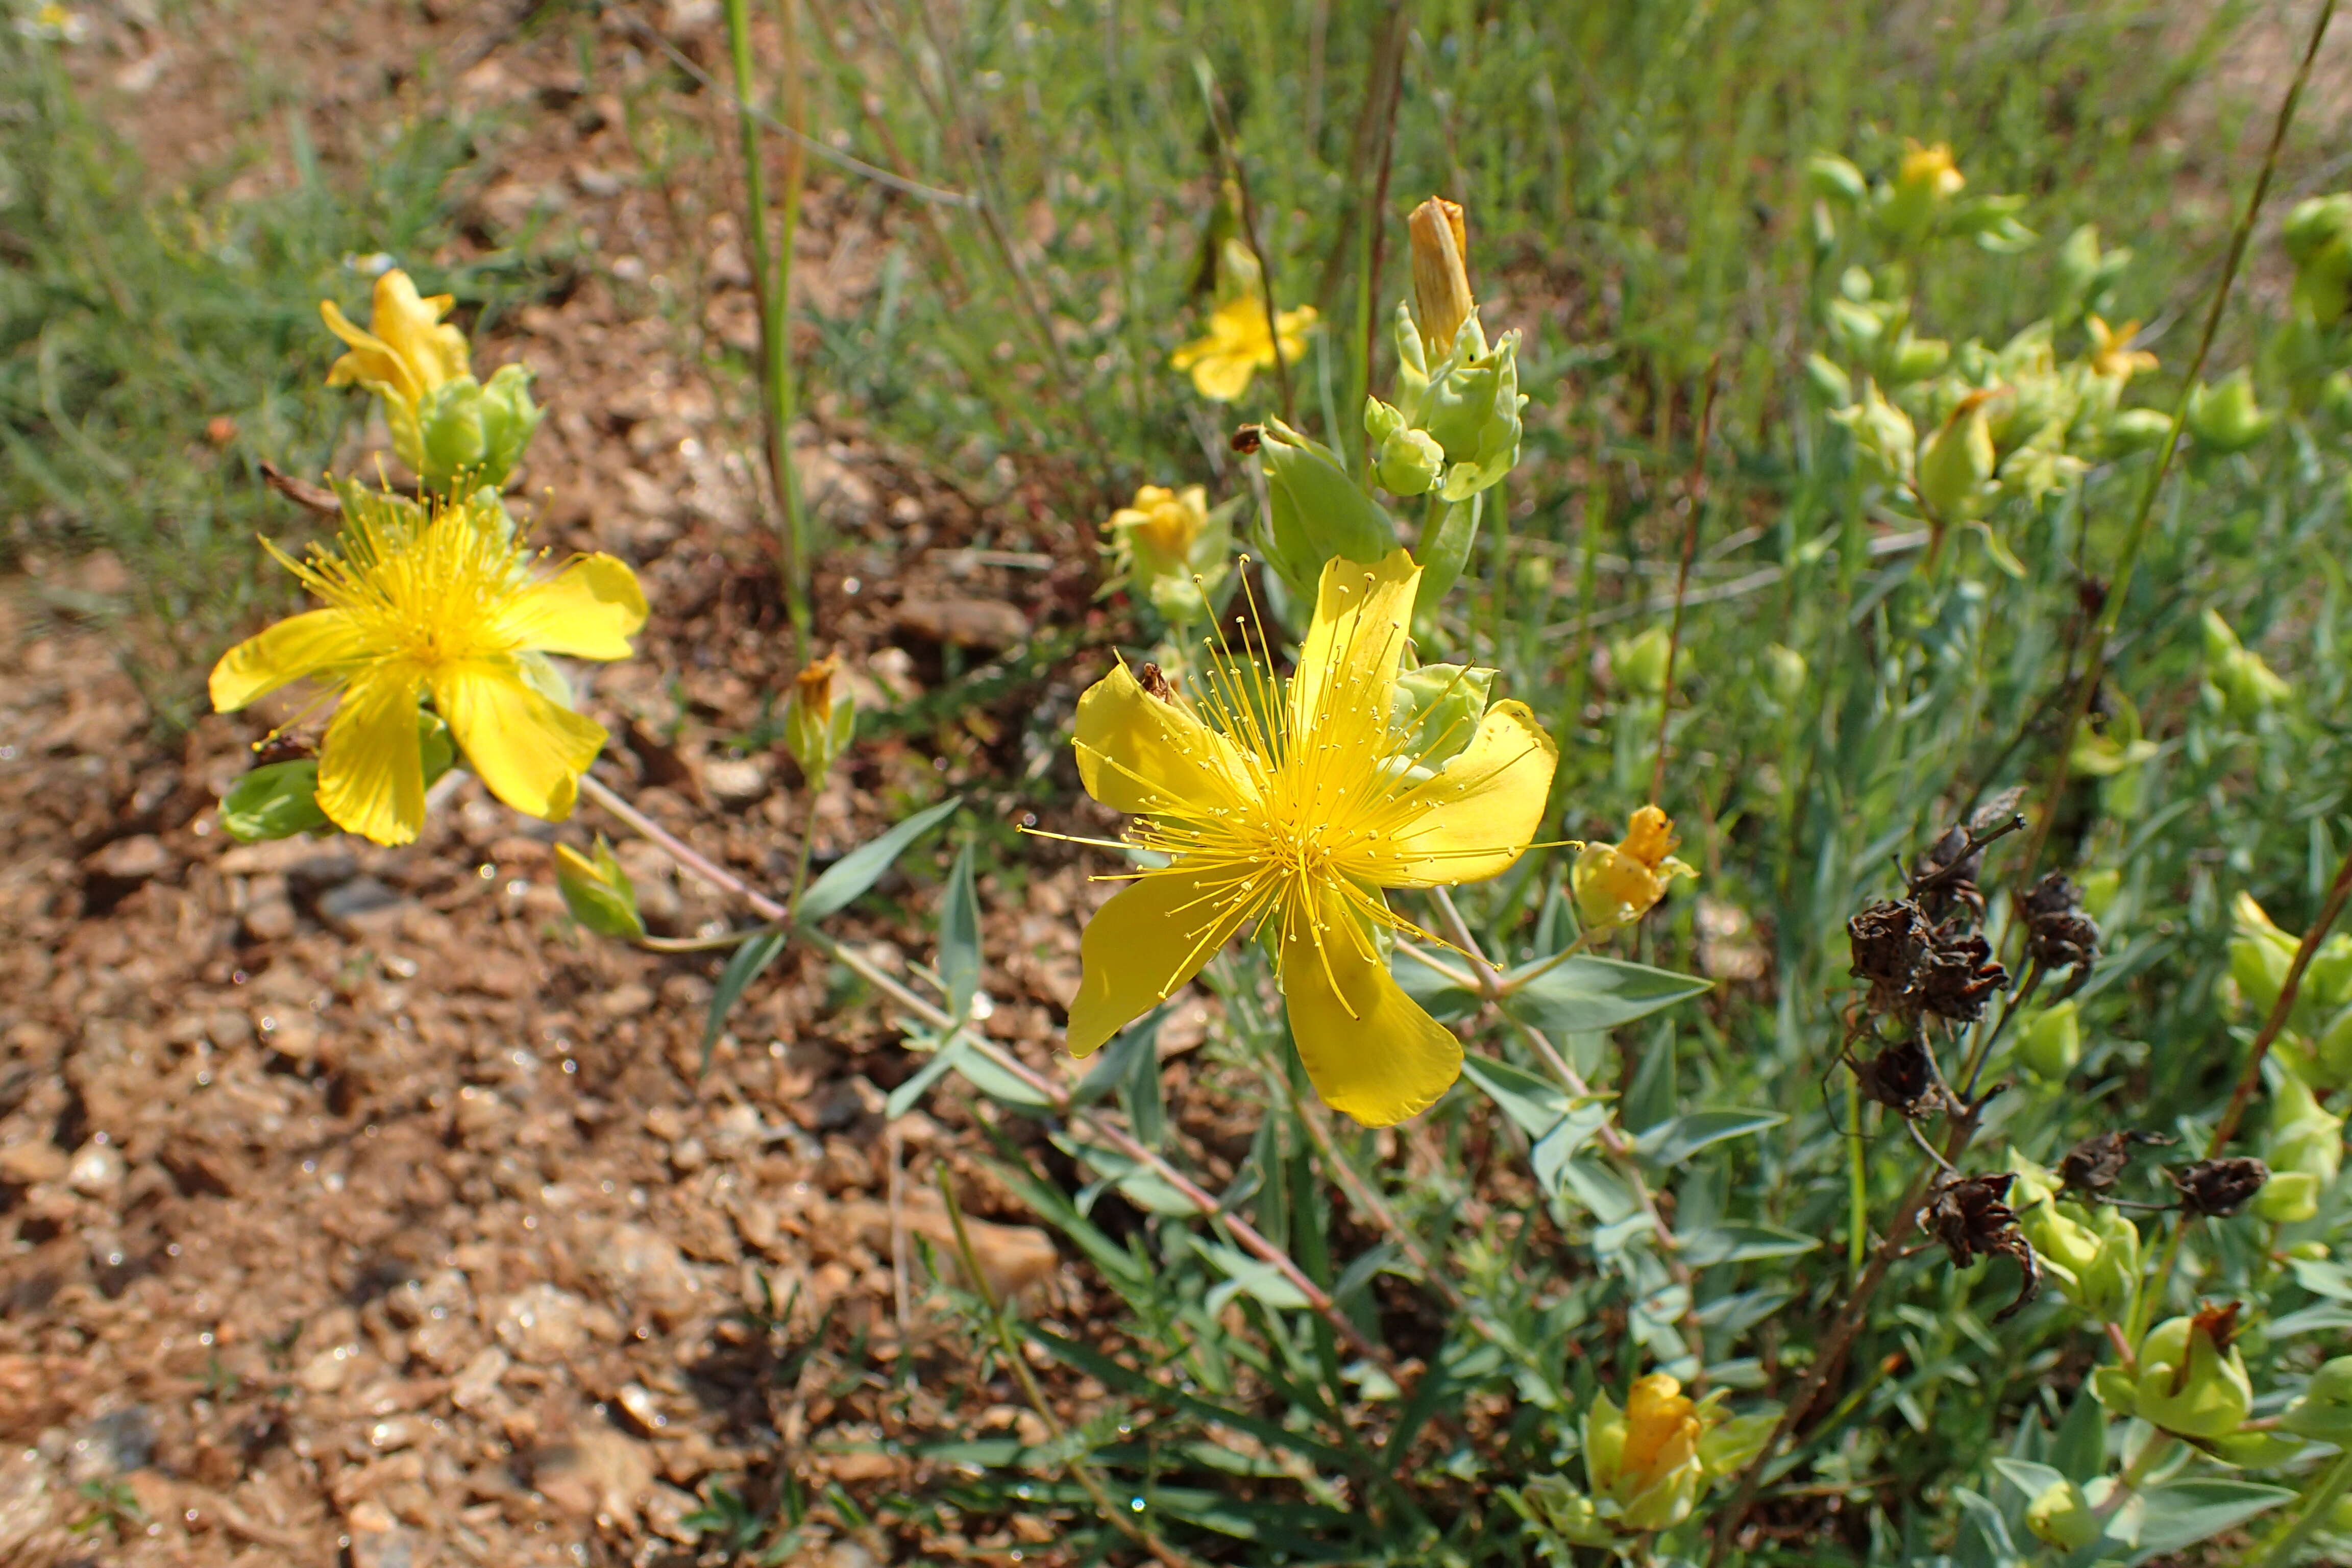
2219, 1187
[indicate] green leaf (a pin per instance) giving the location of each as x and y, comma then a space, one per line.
2026, 1477
2079, 1447
1537, 1104
1249, 1277
1713, 1243
1586, 992
850, 875
959, 936
1672, 1141
1441, 998
998, 1084
943, 1061
750, 961
274, 802
2182, 1513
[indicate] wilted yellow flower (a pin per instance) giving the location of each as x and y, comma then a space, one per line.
1646, 1459
1616, 884
2112, 353
1238, 343
820, 717
406, 353
1441, 274
1292, 805
1170, 549
441, 606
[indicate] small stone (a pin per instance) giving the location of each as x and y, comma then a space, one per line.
113, 1444
735, 780
667, 1509
478, 1384
23, 1165
291, 1033
625, 1001
132, 859
329, 1368
363, 907
228, 1028
33, 1504
638, 1400
598, 1474
642, 1268
379, 1541
396, 1432
542, 1323
97, 1169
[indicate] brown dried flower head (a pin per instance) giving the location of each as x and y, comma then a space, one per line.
1957, 975
1903, 1077
1971, 1217
2093, 1166
2057, 933
2219, 1188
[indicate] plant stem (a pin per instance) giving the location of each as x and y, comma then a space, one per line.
2110, 612
771, 283
1055, 1094
2316, 1505
1693, 497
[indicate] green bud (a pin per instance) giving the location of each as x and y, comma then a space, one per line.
2224, 417
1408, 462
2191, 1380
274, 801
2260, 953
2062, 1517
597, 891
1785, 674
1436, 709
2289, 1197
2137, 429
1923, 185
2319, 237
2052, 1043
2304, 1138
2058, 1238
1550, 1502
1471, 409
472, 436
1639, 662
1956, 462
2247, 684
2328, 978
1833, 178
1317, 513
820, 719
2106, 1288
2324, 1409
2331, 1054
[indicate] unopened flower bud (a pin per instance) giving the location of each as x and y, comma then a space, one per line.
1441, 274
2192, 1380
2260, 953
1172, 549
1883, 433
1956, 461
1617, 884
1833, 178
1317, 513
2319, 237
819, 718
1924, 182
1406, 461
2247, 683
2137, 429
2224, 417
1639, 662
1785, 674
472, 436
597, 891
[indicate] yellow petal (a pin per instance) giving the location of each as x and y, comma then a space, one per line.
371, 364
371, 778
1368, 1047
528, 751
1144, 943
1222, 377
314, 643
588, 610
1140, 754
1481, 811
1348, 663
406, 320
1612, 888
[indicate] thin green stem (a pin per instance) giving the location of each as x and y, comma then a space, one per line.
772, 284
1857, 1241
2316, 1505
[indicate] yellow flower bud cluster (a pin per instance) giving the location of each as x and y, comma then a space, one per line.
1647, 1464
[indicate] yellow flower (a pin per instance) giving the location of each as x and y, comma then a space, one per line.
1929, 169
406, 355
2112, 353
1238, 343
443, 606
1616, 884
1646, 1459
1162, 525
1169, 548
1292, 805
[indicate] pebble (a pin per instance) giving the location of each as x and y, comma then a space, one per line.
543, 1323
97, 1171
735, 780
362, 908
478, 1384
132, 859
25, 1165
